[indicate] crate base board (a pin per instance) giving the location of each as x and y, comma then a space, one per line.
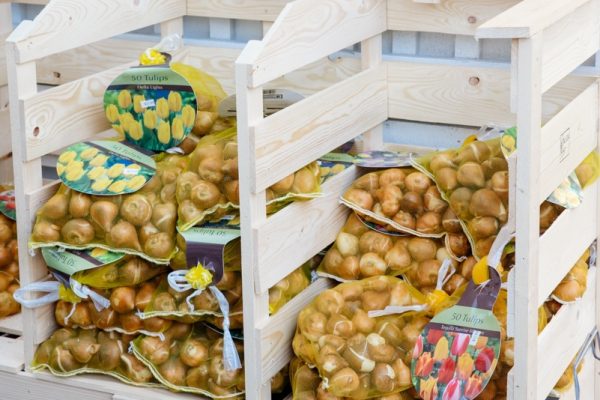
12, 325
44, 386
11, 355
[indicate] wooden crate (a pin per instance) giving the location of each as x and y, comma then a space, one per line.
536, 94
348, 96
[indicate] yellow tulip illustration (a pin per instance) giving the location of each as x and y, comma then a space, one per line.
177, 128
125, 120
124, 99
99, 160
115, 170
67, 157
164, 132
88, 154
60, 169
74, 175
96, 173
162, 108
464, 366
150, 119
136, 132
189, 116
137, 103
101, 184
136, 182
117, 187
441, 349
174, 101
119, 129
112, 113
132, 169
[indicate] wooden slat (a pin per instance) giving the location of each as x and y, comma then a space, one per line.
67, 24
568, 138
12, 355
570, 42
294, 137
12, 325
458, 17
277, 333
565, 241
527, 18
14, 386
307, 30
88, 60
560, 341
296, 233
586, 380
67, 114
258, 10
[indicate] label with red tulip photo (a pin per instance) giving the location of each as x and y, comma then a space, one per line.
456, 354
7, 204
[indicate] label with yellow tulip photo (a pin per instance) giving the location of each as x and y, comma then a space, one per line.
105, 168
153, 107
456, 354
70, 261
7, 204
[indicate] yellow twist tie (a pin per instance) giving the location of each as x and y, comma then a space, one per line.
199, 277
437, 299
66, 294
152, 57
470, 139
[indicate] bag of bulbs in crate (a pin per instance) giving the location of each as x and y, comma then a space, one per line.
209, 188
361, 252
358, 351
136, 220
9, 254
194, 359
71, 352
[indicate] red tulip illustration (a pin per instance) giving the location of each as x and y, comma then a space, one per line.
484, 359
473, 387
460, 344
452, 391
434, 335
424, 365
418, 348
446, 371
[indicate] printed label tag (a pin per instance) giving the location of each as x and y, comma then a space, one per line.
456, 354
206, 245
273, 100
105, 168
383, 159
70, 261
7, 204
151, 106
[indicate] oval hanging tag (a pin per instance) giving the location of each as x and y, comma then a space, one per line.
456, 354
105, 168
153, 107
7, 204
69, 261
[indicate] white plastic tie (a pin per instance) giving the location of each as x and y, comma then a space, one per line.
84, 292
49, 287
504, 237
178, 282
231, 358
445, 273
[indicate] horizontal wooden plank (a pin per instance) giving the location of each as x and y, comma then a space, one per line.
464, 94
527, 18
287, 140
313, 224
306, 31
570, 42
88, 60
458, 17
565, 241
67, 24
567, 139
278, 331
12, 359
258, 10
67, 114
560, 341
24, 386
12, 325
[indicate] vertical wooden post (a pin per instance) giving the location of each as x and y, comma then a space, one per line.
597, 362
529, 124
371, 56
28, 177
252, 214
6, 170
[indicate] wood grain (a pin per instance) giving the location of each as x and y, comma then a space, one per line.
12, 354
570, 42
258, 10
527, 18
307, 31
560, 249
277, 333
293, 235
458, 17
301, 133
12, 325
568, 138
560, 341
68, 24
